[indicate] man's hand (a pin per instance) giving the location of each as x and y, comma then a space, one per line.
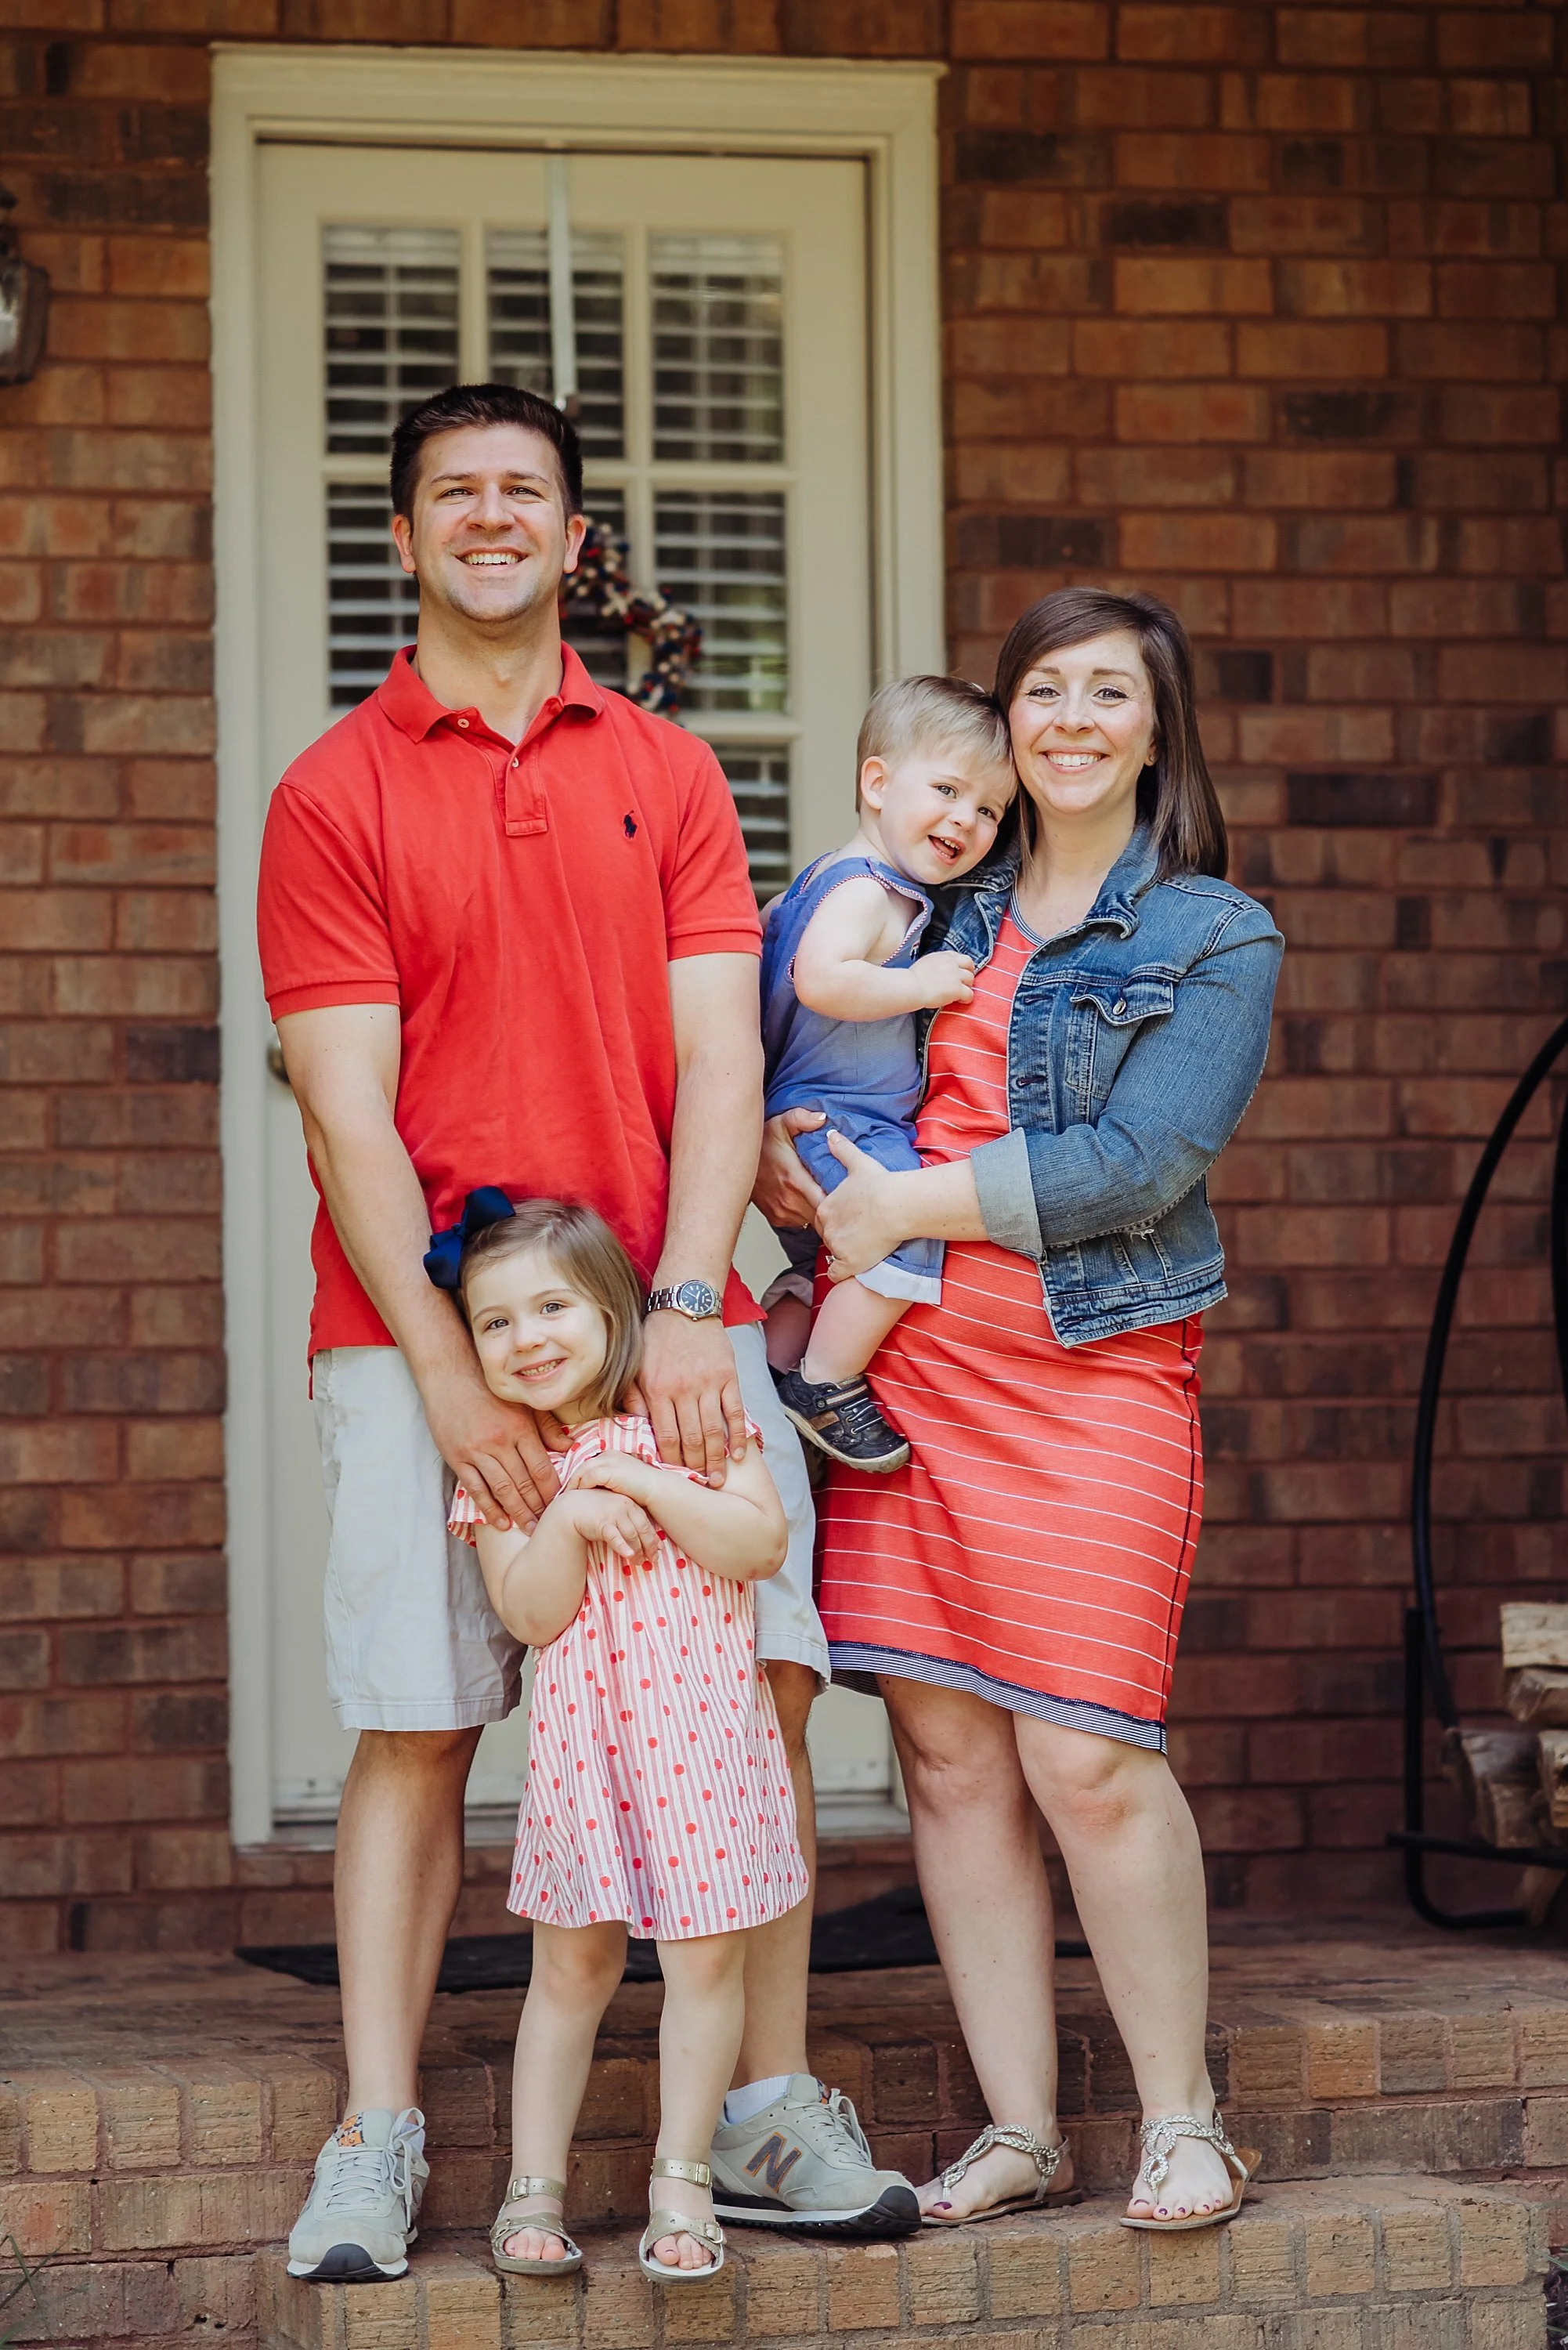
783, 1191
945, 977
690, 1389
495, 1449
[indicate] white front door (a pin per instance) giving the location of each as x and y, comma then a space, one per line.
720, 321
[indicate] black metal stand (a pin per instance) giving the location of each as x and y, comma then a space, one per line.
1424, 1664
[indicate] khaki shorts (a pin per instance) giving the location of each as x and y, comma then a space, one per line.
412, 1643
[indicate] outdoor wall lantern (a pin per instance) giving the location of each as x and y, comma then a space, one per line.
24, 303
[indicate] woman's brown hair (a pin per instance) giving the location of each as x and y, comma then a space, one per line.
1176, 797
589, 1259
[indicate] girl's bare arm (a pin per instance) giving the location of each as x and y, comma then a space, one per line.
535, 1582
741, 1531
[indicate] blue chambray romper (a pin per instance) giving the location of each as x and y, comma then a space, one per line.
864, 1075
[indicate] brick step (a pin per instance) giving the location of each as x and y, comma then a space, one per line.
1389, 2264
169, 2110
1450, 2136
1326, 2079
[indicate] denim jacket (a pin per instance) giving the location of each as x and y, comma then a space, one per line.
1135, 1043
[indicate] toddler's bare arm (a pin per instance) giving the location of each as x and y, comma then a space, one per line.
839, 964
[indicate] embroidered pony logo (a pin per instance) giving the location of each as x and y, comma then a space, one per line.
628, 826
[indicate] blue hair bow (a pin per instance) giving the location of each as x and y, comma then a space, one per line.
443, 1258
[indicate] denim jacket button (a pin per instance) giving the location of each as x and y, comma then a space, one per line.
1120, 1005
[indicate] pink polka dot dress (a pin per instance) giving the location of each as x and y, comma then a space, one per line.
658, 1789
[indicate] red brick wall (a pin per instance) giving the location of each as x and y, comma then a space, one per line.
1256, 307
1250, 303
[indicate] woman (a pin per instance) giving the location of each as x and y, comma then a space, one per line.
1017, 1590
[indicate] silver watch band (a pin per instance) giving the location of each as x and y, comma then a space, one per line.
706, 1305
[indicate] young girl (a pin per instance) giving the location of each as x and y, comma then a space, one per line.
658, 1798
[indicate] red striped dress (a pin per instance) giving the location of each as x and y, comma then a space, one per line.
659, 1792
1036, 1550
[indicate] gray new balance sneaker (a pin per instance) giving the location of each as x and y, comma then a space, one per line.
803, 2162
358, 2218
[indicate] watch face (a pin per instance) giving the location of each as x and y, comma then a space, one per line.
697, 1298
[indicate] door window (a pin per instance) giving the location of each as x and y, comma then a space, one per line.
683, 404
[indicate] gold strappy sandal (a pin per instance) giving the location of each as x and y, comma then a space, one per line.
707, 2232
1047, 2161
512, 2223
1158, 2137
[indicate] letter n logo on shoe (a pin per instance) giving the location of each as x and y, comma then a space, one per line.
771, 2157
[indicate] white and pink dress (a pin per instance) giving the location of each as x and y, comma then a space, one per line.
657, 1791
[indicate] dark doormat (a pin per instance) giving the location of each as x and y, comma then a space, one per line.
890, 1931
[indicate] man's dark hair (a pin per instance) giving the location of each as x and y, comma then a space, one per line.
464, 405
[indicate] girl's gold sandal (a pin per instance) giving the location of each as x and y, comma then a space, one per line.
509, 2222
706, 2232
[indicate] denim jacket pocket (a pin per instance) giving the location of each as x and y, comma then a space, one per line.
1108, 1015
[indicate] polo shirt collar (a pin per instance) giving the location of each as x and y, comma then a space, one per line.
410, 705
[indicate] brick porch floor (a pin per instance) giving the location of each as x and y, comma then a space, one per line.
158, 2116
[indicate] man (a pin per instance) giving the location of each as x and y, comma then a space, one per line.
508, 938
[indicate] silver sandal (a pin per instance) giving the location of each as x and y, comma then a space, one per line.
507, 2222
676, 2223
1047, 2160
1159, 2140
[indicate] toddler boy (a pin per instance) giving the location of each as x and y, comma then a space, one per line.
841, 987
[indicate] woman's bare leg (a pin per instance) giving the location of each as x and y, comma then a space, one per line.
575, 1975
990, 1907
699, 2041
1137, 1869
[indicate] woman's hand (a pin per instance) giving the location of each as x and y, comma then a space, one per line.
867, 1217
783, 1192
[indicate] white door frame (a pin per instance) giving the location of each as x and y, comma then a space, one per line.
885, 114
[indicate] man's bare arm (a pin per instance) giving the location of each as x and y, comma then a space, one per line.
342, 1063
688, 1379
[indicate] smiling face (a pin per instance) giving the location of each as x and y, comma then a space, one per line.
540, 1341
1082, 727
936, 812
489, 537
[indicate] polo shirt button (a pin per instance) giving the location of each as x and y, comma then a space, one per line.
462, 721
514, 763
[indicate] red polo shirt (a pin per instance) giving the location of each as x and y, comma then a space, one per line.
518, 903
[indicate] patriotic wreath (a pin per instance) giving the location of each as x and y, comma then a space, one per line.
601, 586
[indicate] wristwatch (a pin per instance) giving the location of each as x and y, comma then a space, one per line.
698, 1300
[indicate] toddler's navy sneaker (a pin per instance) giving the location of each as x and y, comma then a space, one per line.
841, 1419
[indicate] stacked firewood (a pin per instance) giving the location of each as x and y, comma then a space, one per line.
1515, 1782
